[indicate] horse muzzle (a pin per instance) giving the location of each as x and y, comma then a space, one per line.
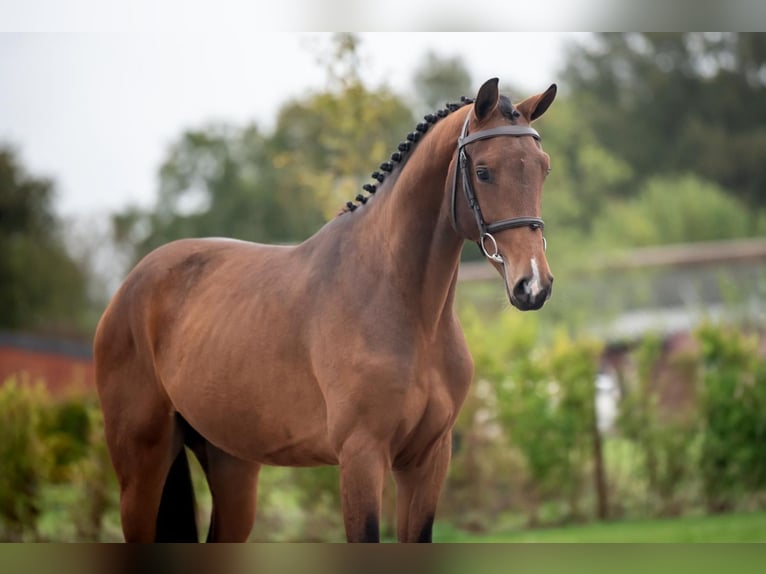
529, 293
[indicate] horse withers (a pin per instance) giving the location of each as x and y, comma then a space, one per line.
344, 349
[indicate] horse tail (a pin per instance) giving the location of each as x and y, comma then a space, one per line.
177, 517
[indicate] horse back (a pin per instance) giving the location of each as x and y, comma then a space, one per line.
156, 294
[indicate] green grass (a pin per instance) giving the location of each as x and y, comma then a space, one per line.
750, 527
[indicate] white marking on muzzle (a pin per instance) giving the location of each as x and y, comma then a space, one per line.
533, 287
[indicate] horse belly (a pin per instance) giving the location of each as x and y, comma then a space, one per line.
260, 419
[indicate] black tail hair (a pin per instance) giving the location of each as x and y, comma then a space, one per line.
177, 517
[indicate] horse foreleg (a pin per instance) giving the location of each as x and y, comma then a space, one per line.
418, 488
363, 468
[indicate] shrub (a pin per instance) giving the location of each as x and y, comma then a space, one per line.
733, 402
23, 458
544, 400
674, 209
573, 365
67, 429
92, 477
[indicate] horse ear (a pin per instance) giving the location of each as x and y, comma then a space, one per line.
534, 106
487, 99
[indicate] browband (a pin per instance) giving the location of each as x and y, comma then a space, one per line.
517, 131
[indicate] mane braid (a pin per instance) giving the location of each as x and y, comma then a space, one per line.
401, 154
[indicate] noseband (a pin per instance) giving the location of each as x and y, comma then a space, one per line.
487, 229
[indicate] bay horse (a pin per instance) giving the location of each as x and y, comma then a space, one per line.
344, 349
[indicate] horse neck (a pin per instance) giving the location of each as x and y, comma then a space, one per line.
422, 251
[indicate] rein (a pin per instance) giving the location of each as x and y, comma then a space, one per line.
487, 229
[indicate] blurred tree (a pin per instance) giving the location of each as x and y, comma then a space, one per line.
278, 187
327, 144
41, 285
440, 79
340, 60
215, 181
678, 103
585, 174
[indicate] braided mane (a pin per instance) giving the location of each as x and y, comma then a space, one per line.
401, 154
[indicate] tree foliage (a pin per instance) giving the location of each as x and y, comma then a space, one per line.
440, 79
41, 285
329, 142
275, 187
678, 102
220, 181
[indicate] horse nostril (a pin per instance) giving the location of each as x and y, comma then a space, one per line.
522, 290
528, 293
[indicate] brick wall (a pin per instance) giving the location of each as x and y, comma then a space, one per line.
60, 364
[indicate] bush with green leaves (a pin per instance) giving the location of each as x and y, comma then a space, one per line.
544, 399
91, 475
67, 430
57, 481
676, 209
573, 366
23, 457
665, 441
482, 468
733, 403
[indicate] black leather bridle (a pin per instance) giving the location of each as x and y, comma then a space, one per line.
463, 166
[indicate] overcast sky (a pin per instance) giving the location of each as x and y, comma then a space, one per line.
96, 112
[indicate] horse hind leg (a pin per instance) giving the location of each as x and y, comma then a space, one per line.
151, 468
145, 437
145, 444
233, 486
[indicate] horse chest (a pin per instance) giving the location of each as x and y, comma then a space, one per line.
430, 411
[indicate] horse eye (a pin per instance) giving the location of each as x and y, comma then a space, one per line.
482, 173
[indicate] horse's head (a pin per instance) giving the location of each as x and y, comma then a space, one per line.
496, 188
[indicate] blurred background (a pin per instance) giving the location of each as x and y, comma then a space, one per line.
632, 407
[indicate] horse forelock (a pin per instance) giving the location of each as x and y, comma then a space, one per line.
507, 110
390, 168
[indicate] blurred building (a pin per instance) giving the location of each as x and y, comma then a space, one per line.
61, 364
